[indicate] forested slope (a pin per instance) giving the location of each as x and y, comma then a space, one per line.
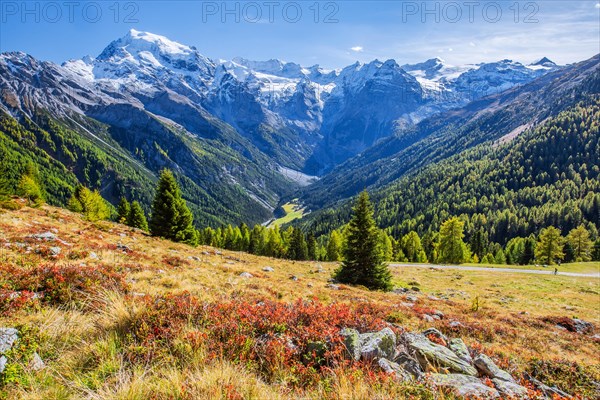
546, 176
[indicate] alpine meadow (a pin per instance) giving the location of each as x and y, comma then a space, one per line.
179, 221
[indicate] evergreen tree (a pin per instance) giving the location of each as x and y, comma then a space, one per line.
123, 211
362, 257
579, 240
334, 247
451, 247
136, 217
549, 247
500, 258
528, 252
569, 252
311, 243
596, 251
479, 242
171, 218
298, 250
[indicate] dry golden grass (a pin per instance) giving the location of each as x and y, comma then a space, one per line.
84, 349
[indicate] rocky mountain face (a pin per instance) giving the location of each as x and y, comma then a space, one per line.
233, 126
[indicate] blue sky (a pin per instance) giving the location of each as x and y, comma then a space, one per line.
330, 33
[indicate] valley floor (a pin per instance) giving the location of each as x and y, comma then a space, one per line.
135, 317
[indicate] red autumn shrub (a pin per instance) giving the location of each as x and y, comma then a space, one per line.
61, 284
269, 336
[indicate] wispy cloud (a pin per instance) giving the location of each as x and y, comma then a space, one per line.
357, 49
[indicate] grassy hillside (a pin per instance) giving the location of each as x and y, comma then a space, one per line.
120, 315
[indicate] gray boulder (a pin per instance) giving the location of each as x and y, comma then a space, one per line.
378, 344
268, 269
431, 354
246, 275
391, 367
435, 333
460, 349
410, 365
352, 342
463, 386
7, 337
488, 368
510, 390
49, 236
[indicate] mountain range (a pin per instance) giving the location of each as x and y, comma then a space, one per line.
242, 136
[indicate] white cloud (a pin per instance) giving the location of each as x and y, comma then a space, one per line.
357, 49
472, 44
597, 5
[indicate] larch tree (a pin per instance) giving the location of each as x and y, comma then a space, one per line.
549, 247
452, 248
579, 238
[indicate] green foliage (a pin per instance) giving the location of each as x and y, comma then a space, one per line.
123, 210
136, 217
451, 248
90, 204
549, 248
579, 240
171, 218
29, 187
547, 176
334, 247
362, 263
298, 250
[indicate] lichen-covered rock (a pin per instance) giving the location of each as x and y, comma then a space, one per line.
246, 275
510, 390
463, 386
460, 349
352, 342
434, 332
410, 365
490, 369
431, 354
378, 344
391, 367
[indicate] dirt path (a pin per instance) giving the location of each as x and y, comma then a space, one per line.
483, 269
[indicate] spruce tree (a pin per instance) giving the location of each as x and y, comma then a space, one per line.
123, 211
136, 217
362, 263
171, 218
298, 250
528, 252
311, 243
